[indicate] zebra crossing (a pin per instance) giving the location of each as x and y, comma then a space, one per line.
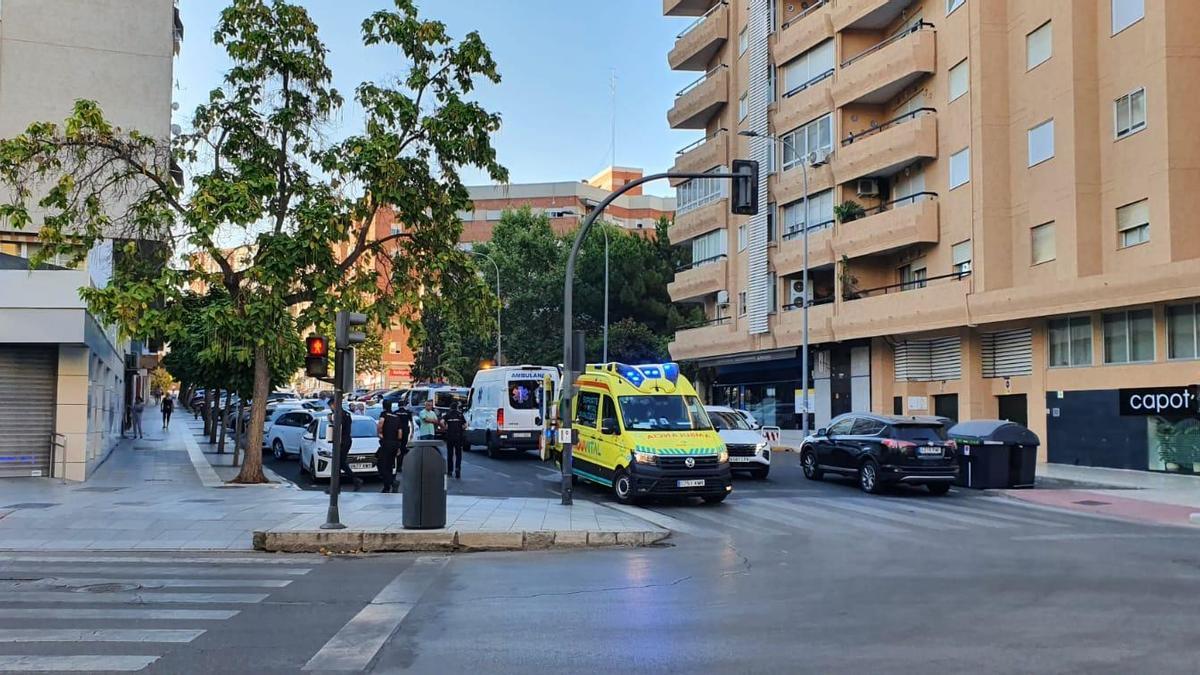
902, 516
124, 613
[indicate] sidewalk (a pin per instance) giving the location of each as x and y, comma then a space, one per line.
1168, 499
160, 493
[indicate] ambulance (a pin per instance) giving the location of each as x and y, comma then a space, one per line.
642, 431
507, 406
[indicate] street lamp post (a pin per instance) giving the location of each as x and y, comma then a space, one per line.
806, 300
499, 304
603, 229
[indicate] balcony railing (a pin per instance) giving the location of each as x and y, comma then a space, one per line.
699, 81
700, 263
801, 87
887, 125
792, 234
809, 10
700, 19
719, 321
699, 142
907, 285
902, 201
898, 36
815, 302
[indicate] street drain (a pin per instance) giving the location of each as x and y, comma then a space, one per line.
1092, 502
106, 588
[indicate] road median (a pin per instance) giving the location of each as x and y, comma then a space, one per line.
447, 540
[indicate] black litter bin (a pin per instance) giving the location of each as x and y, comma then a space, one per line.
995, 454
424, 486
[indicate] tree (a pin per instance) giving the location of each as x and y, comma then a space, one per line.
264, 170
453, 343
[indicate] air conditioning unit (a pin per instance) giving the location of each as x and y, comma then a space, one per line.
722, 297
796, 293
868, 187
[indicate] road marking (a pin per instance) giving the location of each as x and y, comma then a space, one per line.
808, 511
991, 512
139, 614
736, 524
357, 643
793, 522
151, 569
81, 663
940, 512
168, 583
130, 560
661, 519
133, 598
1115, 535
871, 512
99, 634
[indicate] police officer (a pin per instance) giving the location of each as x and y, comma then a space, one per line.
393, 438
344, 444
456, 439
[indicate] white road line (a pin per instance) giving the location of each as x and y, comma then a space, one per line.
169, 583
661, 519
132, 614
792, 521
25, 568
734, 523
989, 511
137, 560
357, 643
840, 519
99, 634
132, 598
870, 512
940, 512
81, 663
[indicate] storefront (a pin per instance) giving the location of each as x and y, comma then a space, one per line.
1154, 429
768, 388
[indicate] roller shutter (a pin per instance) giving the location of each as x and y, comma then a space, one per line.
28, 376
1007, 353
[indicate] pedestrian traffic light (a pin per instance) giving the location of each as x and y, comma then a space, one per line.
744, 200
316, 356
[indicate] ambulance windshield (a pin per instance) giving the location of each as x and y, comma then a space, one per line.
663, 413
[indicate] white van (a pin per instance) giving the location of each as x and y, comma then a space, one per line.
507, 406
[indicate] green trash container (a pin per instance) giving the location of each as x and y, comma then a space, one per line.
995, 454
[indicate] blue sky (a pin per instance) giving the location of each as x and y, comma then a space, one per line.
556, 58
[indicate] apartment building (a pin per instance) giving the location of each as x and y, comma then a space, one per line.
65, 378
997, 214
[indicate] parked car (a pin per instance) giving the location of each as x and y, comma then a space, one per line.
287, 429
373, 396
748, 449
750, 419
882, 450
316, 447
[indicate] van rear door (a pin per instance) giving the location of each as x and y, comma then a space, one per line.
523, 395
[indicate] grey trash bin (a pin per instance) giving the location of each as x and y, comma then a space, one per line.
995, 454
423, 484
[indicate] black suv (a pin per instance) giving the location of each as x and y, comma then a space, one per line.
883, 449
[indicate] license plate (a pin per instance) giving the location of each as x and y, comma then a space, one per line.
362, 466
740, 459
699, 482
520, 434
926, 452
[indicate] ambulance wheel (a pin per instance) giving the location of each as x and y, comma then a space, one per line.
493, 446
623, 487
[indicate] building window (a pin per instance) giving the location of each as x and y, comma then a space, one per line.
816, 136
1070, 341
1042, 243
771, 222
741, 238
1129, 336
1129, 113
1038, 46
395, 230
952, 5
910, 278
820, 214
809, 68
1125, 13
1181, 332
960, 79
743, 41
699, 192
1133, 223
771, 83
393, 347
708, 247
1041, 142
960, 168
774, 293
960, 253
743, 107
741, 303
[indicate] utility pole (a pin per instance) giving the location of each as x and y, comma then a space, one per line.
343, 378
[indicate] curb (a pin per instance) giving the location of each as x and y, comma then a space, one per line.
207, 474
327, 541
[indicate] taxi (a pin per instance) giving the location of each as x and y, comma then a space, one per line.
643, 432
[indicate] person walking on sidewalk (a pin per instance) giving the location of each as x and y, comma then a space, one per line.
168, 407
393, 435
429, 421
456, 436
344, 450
139, 407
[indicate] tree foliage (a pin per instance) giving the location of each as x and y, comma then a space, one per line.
264, 170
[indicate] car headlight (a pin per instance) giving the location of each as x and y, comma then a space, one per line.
761, 448
722, 457
325, 453
645, 457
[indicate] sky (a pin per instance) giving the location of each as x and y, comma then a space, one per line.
556, 60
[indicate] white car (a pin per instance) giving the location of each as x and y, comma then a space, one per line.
283, 434
748, 448
316, 446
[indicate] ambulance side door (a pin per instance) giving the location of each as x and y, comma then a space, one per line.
587, 449
613, 451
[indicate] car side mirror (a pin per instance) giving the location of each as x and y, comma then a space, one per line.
609, 427
822, 431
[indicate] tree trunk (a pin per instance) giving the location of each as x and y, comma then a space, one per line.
208, 397
221, 423
252, 471
239, 433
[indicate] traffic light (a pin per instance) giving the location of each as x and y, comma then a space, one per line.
744, 200
346, 339
316, 356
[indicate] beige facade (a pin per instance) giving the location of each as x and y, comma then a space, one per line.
1018, 162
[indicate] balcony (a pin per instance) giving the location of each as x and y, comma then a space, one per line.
702, 155
789, 329
686, 7
879, 73
904, 222
866, 14
803, 32
697, 221
788, 186
698, 279
716, 338
697, 44
789, 257
888, 147
933, 303
696, 103
804, 103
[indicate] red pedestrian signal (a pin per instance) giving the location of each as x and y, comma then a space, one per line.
316, 357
